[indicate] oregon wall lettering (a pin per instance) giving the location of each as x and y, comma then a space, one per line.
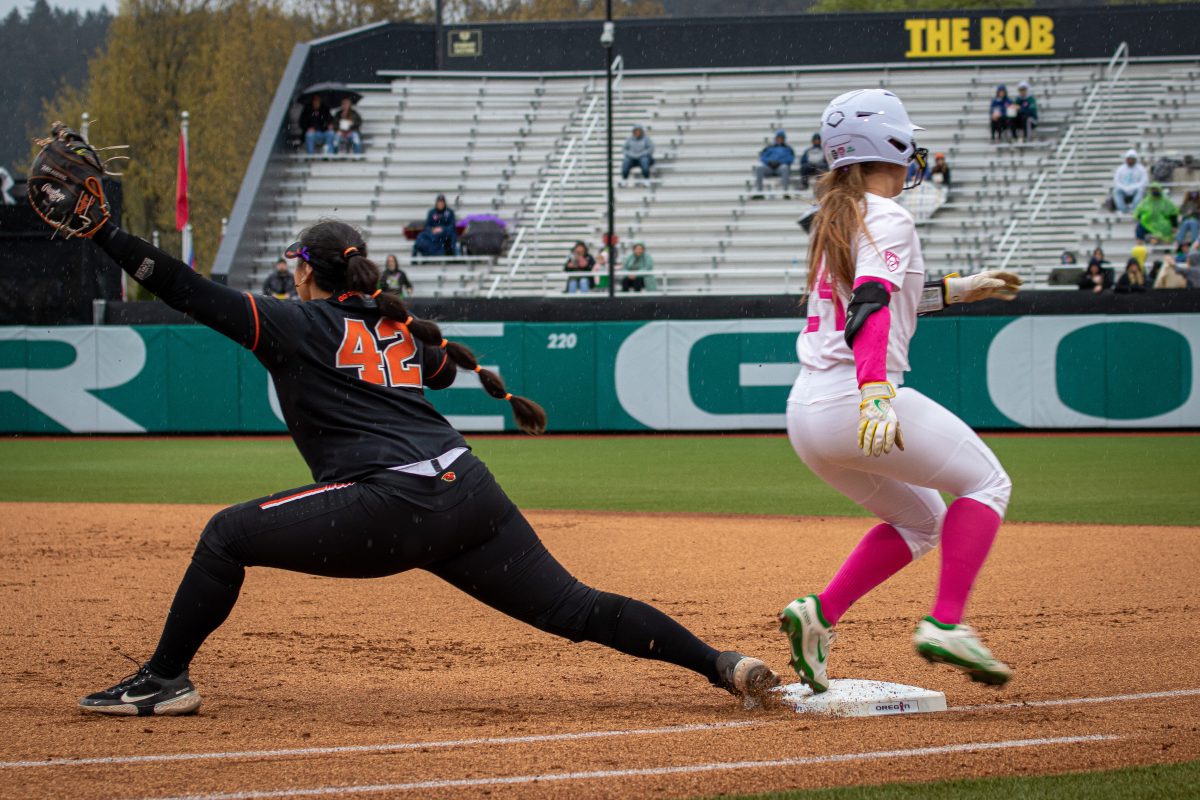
960, 37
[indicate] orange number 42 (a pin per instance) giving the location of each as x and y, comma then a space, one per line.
388, 366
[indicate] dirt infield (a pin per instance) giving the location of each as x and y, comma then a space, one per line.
404, 687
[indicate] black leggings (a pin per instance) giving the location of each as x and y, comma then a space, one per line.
471, 536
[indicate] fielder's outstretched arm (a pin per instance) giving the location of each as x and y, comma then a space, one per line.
225, 310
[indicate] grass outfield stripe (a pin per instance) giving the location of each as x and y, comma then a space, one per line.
1127, 480
1154, 782
719, 766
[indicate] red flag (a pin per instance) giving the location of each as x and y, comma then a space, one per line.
181, 185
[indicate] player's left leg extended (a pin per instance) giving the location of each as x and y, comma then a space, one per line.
514, 573
344, 530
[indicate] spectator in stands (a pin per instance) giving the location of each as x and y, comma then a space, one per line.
1156, 217
1095, 278
1097, 258
1067, 258
439, 237
939, 173
393, 279
812, 162
279, 284
1167, 277
777, 160
317, 125
912, 173
6, 185
638, 261
581, 262
1192, 271
1027, 112
639, 151
1132, 279
1189, 219
1129, 183
998, 112
349, 124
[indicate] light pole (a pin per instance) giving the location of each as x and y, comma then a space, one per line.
606, 39
438, 35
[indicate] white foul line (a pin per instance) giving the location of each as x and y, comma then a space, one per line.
719, 766
380, 748
1074, 701
534, 738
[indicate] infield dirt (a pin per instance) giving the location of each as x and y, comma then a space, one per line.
303, 662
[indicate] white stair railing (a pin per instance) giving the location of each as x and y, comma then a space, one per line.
1047, 182
552, 196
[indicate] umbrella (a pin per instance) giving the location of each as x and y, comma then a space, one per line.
331, 91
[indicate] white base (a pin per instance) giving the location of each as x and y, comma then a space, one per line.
858, 698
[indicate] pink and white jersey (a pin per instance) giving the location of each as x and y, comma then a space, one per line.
894, 256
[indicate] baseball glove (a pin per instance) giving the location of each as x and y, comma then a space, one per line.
64, 185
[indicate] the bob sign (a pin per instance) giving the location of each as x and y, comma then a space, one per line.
963, 37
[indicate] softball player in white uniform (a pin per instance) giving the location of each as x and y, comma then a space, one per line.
845, 414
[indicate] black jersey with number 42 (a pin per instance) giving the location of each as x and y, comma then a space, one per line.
349, 381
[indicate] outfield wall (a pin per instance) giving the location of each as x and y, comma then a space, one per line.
1000, 372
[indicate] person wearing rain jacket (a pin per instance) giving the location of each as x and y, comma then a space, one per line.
639, 151
1027, 112
1156, 216
998, 112
1129, 183
439, 237
777, 160
638, 261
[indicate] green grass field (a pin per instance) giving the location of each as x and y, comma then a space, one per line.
1159, 782
1111, 480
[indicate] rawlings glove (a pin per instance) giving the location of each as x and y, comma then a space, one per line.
982, 285
878, 426
64, 184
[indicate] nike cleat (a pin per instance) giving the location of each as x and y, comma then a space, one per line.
809, 636
746, 678
145, 694
959, 646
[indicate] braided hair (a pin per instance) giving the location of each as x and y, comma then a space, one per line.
338, 256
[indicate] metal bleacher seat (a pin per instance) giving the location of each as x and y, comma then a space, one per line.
518, 147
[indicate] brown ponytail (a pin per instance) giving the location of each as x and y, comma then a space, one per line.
530, 417
842, 196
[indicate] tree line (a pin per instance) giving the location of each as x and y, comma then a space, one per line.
220, 60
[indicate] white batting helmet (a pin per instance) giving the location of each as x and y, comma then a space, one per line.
869, 125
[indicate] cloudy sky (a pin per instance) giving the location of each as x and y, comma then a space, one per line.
78, 5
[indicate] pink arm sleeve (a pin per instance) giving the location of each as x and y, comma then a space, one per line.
870, 345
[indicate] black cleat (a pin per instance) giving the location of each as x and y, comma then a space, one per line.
746, 678
145, 694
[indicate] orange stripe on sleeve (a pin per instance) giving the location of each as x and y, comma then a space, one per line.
436, 372
254, 308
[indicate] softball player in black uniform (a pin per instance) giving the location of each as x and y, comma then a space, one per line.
396, 488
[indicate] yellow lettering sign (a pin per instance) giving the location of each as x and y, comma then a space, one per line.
955, 37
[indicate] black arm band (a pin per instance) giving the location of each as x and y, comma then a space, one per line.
864, 301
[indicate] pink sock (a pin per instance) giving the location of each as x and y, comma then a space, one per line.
880, 555
967, 535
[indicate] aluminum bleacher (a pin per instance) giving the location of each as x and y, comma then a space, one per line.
530, 150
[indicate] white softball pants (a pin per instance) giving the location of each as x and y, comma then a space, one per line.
901, 487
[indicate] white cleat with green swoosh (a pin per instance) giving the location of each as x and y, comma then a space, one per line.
959, 646
809, 636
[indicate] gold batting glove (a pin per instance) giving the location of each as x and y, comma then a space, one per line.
878, 425
982, 285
